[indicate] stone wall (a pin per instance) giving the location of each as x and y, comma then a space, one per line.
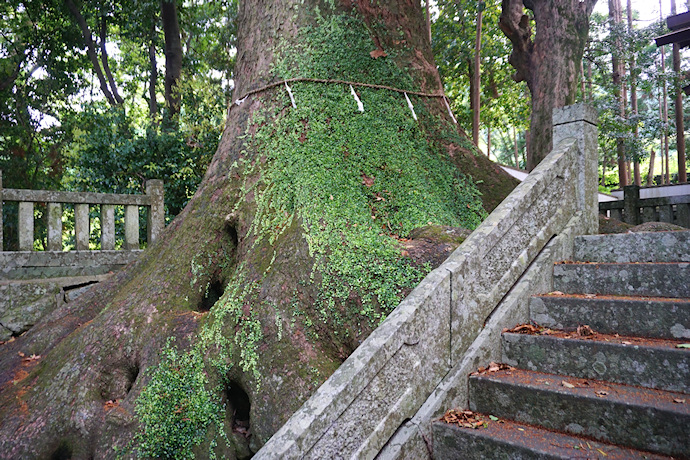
381, 399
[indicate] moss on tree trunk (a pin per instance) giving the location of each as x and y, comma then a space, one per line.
290, 253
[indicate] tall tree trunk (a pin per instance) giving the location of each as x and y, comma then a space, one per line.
476, 80
665, 176
633, 94
488, 142
516, 152
550, 63
287, 256
153, 74
104, 60
615, 18
173, 56
680, 128
650, 174
91, 51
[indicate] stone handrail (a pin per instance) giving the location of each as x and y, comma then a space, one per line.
415, 363
634, 210
81, 200
82, 265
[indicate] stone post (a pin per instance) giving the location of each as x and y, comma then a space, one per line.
579, 121
82, 230
631, 204
55, 226
156, 215
26, 226
107, 227
131, 227
0, 209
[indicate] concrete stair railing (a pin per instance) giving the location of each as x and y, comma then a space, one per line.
381, 401
623, 392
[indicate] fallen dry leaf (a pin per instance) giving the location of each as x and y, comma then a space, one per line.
567, 385
584, 331
377, 53
368, 181
463, 418
679, 401
31, 358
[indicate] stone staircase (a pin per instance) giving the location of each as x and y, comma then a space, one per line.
601, 373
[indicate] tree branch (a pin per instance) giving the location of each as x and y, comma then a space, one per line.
515, 26
91, 50
104, 61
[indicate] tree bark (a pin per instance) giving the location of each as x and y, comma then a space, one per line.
476, 80
650, 174
104, 61
153, 75
550, 62
616, 17
173, 56
248, 278
633, 95
680, 128
91, 51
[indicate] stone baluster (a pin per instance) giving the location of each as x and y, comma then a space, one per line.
131, 227
107, 227
631, 204
156, 214
55, 226
26, 226
81, 226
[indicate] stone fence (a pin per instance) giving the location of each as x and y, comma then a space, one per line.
634, 210
54, 262
380, 402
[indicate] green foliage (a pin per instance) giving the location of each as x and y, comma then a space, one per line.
176, 408
505, 104
357, 181
111, 153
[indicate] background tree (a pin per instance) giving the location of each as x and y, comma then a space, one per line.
292, 250
549, 61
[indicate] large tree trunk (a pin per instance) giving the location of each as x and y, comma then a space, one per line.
295, 246
475, 87
549, 63
618, 66
173, 56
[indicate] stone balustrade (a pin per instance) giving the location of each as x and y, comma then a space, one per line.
153, 199
381, 401
54, 261
635, 210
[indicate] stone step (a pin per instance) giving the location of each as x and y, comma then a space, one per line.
639, 316
640, 418
651, 363
634, 247
669, 279
510, 440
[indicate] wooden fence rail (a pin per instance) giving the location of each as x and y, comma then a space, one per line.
633, 210
153, 200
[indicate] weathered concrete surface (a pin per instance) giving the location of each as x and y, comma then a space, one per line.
410, 441
22, 305
381, 384
660, 366
635, 279
634, 247
641, 418
510, 440
644, 317
18, 265
352, 415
